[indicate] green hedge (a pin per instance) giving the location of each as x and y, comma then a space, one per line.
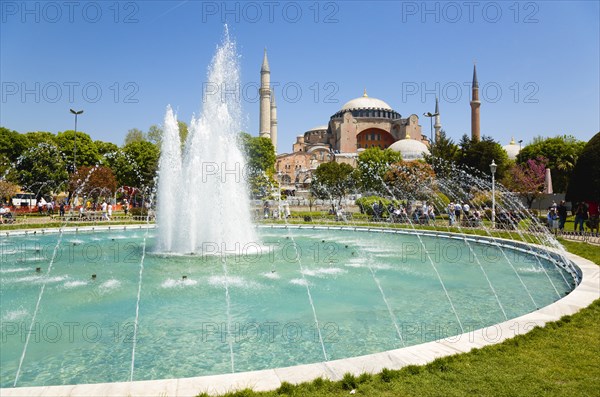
366, 204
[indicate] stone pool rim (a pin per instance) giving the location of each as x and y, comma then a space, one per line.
585, 272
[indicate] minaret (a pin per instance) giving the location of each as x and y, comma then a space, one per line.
264, 129
475, 104
438, 125
273, 121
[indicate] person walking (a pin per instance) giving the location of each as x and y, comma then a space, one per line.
552, 220
562, 214
457, 210
450, 214
104, 207
580, 216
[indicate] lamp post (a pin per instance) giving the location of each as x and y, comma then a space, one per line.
431, 116
493, 167
520, 142
76, 113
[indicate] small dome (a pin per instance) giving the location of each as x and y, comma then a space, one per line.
410, 149
319, 128
365, 102
512, 149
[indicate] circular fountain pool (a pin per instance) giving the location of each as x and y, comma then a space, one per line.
310, 296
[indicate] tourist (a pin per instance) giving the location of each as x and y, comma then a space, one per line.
40, 206
553, 220
104, 207
562, 215
425, 213
61, 209
457, 210
266, 209
126, 206
431, 213
450, 214
581, 216
109, 211
466, 209
81, 212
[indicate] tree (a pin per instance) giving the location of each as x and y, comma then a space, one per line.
260, 163
12, 146
444, 152
136, 164
7, 190
562, 153
42, 169
93, 182
87, 152
35, 138
584, 184
105, 148
134, 135
259, 152
527, 179
373, 163
410, 179
155, 134
479, 155
183, 131
333, 181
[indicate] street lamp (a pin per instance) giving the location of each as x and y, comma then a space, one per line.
520, 142
76, 113
431, 116
493, 167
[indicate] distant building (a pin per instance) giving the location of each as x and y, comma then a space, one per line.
361, 123
268, 109
512, 149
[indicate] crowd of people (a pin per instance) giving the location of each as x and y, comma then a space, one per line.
585, 216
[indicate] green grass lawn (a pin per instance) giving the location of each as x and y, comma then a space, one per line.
561, 359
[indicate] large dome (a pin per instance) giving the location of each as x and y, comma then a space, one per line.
410, 149
366, 102
512, 149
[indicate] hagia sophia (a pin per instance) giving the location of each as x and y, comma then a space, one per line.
361, 123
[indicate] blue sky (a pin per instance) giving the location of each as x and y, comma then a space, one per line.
124, 62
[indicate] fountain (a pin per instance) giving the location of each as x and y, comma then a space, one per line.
206, 182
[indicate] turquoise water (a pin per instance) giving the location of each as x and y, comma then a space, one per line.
84, 328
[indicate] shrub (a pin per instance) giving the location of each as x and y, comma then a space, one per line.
348, 381
413, 369
285, 388
138, 211
387, 375
366, 204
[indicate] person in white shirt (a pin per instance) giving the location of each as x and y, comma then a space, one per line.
466, 210
103, 207
109, 211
